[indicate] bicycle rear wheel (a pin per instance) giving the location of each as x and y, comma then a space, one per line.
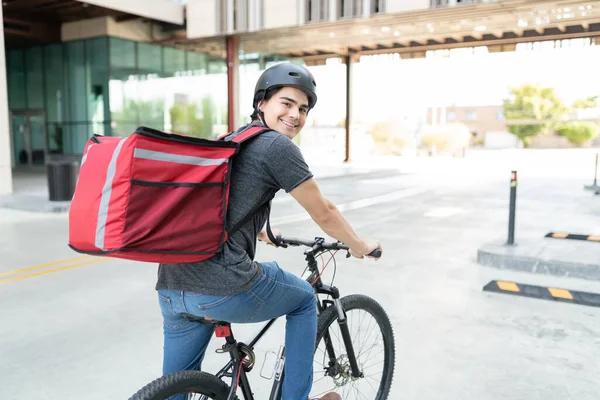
195, 385
375, 351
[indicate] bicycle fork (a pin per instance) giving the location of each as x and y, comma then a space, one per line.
343, 324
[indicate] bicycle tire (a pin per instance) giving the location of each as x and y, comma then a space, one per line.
361, 302
183, 382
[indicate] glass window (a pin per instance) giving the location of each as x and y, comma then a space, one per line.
174, 61
151, 88
240, 15
349, 8
123, 87
317, 10
217, 65
122, 58
377, 6
150, 59
54, 82
76, 132
17, 99
98, 112
197, 63
34, 78
471, 115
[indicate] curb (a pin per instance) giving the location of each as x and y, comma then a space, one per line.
538, 266
544, 293
45, 207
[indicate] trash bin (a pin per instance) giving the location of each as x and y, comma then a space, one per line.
62, 178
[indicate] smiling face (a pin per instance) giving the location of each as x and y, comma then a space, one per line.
286, 111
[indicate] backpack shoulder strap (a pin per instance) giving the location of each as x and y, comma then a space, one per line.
250, 133
246, 135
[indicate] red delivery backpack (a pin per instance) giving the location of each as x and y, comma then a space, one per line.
154, 196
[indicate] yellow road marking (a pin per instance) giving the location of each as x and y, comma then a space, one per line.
50, 271
509, 286
561, 293
18, 271
560, 235
594, 238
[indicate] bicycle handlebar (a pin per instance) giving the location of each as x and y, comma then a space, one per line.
320, 244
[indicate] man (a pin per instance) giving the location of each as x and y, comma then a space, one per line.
231, 286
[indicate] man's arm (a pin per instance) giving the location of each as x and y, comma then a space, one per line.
330, 219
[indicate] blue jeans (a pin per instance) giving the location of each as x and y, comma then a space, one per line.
275, 294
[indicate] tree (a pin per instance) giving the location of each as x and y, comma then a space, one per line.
187, 120
589, 102
579, 133
533, 102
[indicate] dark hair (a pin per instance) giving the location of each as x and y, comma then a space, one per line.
259, 96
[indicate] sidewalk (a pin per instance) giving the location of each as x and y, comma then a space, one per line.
559, 257
560, 211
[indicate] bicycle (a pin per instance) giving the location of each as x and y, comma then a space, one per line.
342, 367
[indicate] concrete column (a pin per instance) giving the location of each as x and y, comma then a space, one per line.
366, 11
333, 10
6, 185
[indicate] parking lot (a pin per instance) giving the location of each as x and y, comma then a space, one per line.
79, 327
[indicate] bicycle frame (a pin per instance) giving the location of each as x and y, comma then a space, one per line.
239, 350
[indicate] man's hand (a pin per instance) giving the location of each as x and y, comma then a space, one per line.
263, 237
369, 246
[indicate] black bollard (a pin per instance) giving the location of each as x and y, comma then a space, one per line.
512, 209
596, 171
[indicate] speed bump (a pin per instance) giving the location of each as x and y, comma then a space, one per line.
573, 236
544, 293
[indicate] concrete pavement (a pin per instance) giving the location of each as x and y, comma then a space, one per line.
94, 329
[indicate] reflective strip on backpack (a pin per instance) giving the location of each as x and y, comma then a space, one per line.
177, 158
105, 198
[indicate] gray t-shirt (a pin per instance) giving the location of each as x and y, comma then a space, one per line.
267, 163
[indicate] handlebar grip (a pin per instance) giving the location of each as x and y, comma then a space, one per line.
375, 253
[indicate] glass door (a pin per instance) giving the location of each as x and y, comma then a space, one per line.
29, 137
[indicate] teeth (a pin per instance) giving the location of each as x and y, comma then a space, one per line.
288, 124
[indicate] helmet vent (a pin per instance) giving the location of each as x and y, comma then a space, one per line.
294, 74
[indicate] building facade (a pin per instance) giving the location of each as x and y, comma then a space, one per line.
60, 94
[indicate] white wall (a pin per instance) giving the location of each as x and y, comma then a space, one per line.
280, 13
5, 145
406, 5
88, 28
160, 10
137, 30
201, 18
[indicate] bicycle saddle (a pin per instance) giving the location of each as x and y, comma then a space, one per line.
203, 320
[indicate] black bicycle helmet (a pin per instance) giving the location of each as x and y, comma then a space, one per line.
287, 74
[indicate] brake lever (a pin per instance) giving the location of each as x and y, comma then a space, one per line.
279, 242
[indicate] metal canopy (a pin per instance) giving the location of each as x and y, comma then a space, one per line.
502, 23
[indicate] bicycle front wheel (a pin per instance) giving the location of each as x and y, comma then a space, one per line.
186, 385
373, 343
